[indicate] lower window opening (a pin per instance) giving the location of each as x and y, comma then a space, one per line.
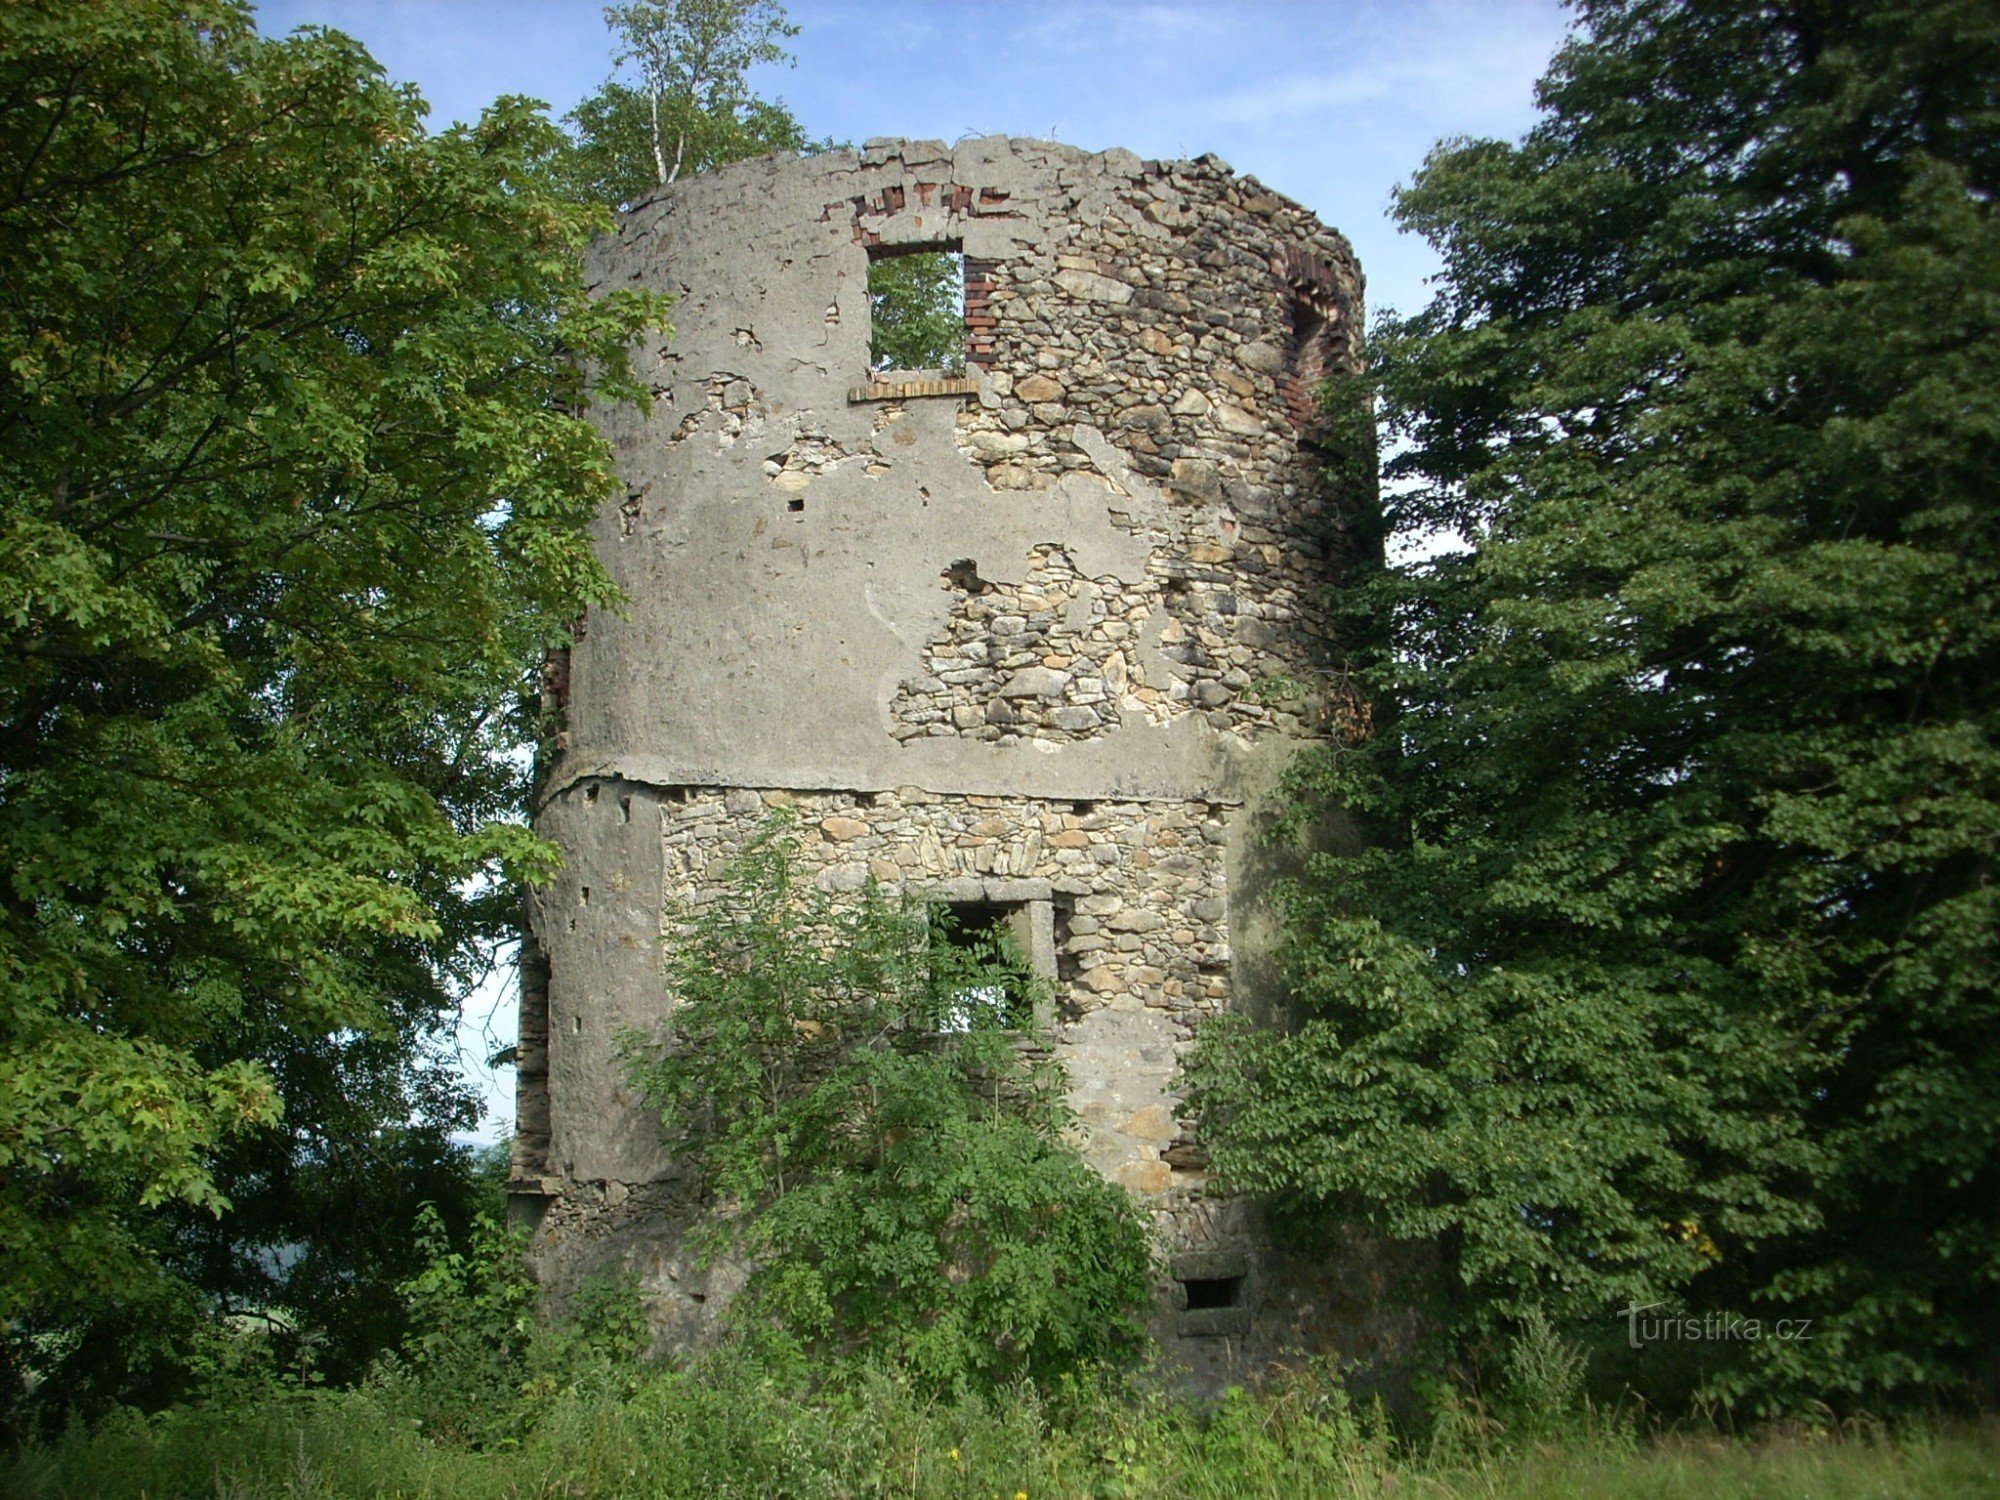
985, 929
1220, 1291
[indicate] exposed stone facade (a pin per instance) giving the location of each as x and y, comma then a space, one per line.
1042, 636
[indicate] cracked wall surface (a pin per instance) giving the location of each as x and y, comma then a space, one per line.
1059, 623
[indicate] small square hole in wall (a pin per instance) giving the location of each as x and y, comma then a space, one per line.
916, 308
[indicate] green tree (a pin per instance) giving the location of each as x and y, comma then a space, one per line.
854, 1089
690, 108
291, 488
1671, 976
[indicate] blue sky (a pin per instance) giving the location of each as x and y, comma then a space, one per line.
1331, 102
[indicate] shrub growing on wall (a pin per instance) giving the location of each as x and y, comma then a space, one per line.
886, 1149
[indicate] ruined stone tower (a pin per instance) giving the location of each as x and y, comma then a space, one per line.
1035, 639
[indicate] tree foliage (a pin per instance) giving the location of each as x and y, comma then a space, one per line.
689, 108
1671, 976
291, 490
891, 1147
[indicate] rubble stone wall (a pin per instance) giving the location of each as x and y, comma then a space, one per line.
1044, 633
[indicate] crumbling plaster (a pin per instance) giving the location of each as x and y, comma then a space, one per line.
833, 604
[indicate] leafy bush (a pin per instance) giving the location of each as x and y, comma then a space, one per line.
472, 1323
479, 1367
891, 1146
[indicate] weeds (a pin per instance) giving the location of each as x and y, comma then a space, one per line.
725, 1427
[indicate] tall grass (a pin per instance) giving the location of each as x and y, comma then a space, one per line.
724, 1429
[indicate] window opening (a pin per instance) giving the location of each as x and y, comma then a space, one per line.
916, 306
1314, 355
1309, 339
1213, 1292
990, 933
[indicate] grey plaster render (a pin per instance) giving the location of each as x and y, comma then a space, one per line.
786, 662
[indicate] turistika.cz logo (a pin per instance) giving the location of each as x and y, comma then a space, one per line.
1709, 1328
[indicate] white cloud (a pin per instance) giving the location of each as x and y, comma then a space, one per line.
1465, 63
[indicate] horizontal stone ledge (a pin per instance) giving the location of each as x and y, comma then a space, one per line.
1210, 1265
1215, 1322
1189, 763
978, 888
904, 390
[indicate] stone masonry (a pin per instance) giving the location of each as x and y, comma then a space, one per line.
1041, 637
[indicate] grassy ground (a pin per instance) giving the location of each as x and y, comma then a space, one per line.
727, 1433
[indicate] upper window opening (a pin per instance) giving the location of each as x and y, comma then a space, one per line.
1313, 332
916, 304
1315, 354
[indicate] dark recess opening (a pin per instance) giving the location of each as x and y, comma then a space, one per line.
1220, 1291
974, 923
964, 574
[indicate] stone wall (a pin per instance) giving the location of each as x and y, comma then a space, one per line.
1139, 891
1044, 635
